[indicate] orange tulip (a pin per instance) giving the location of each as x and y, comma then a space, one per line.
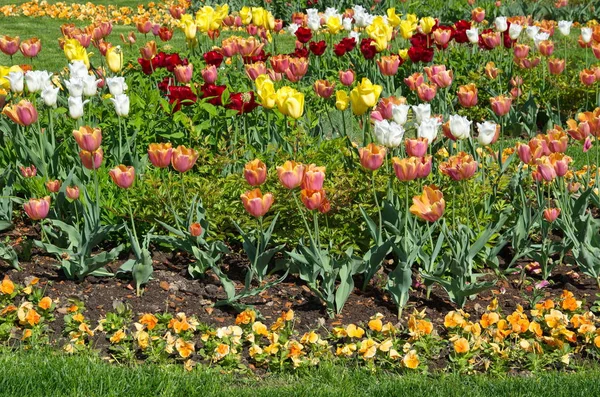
372, 156
430, 205
183, 159
459, 167
123, 176
37, 209
290, 174
312, 199
72, 192
491, 71
160, 154
256, 203
149, 50
406, 168
388, 65
195, 229
560, 162
556, 66
53, 185
31, 47
88, 138
91, 160
323, 88
414, 81
9, 45
467, 95
501, 104
416, 147
23, 113
255, 172
550, 214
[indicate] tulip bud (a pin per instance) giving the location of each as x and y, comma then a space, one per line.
72, 192
123, 176
255, 172
160, 154
183, 73
195, 229
256, 203
53, 185
183, 159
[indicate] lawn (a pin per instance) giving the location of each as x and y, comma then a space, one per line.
44, 373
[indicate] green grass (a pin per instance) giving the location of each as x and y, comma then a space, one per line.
42, 373
118, 3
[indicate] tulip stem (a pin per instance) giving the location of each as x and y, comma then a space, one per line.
257, 252
97, 190
312, 240
378, 208
407, 212
42, 151
468, 197
131, 215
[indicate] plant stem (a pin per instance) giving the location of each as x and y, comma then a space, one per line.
378, 208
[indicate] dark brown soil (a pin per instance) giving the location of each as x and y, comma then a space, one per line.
172, 290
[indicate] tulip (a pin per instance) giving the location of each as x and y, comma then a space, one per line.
121, 103
406, 168
9, 45
372, 156
50, 95
428, 129
556, 66
459, 167
23, 113
400, 113
116, 85
31, 47
72, 192
16, 80
297, 69
209, 74
53, 185
557, 140
123, 176
312, 199
74, 51
578, 131
491, 39
426, 92
472, 35
364, 96
460, 126
76, 107
521, 50
478, 14
290, 102
467, 95
290, 174
565, 27
414, 81
160, 154
388, 133
28, 172
545, 169
255, 172
586, 35
323, 88
36, 80
501, 105
37, 209
441, 37
550, 214
342, 100
144, 26
546, 48
88, 138
491, 71
256, 203
443, 79
424, 165
416, 147
149, 50
90, 85
430, 205
515, 31
256, 69
587, 77
560, 162
183, 159
347, 77
501, 24
114, 59
195, 229
313, 177
422, 112
75, 86
388, 65
91, 160
488, 132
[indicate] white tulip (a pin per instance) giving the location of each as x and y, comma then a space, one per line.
515, 31
16, 81
388, 134
487, 132
500, 23
422, 112
50, 95
347, 24
76, 107
90, 85
292, 28
361, 17
539, 38
532, 31
78, 70
36, 80
565, 27
313, 20
121, 103
116, 85
75, 86
460, 126
473, 35
354, 35
586, 35
429, 128
400, 113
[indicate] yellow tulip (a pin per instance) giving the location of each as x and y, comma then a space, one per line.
403, 54
427, 24
290, 102
74, 51
393, 18
341, 100
265, 90
189, 26
246, 15
262, 18
412, 18
334, 24
364, 96
114, 59
407, 29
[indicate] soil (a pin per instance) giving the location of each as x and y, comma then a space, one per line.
173, 290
